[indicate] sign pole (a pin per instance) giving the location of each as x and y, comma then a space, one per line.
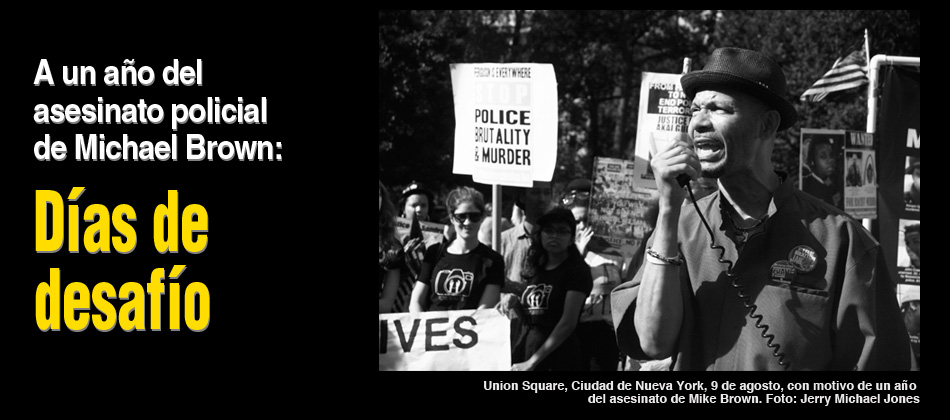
496, 211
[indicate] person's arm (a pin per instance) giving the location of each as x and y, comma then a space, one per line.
509, 302
583, 238
659, 309
490, 297
564, 328
419, 293
389, 291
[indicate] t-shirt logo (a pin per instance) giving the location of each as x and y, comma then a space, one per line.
454, 282
536, 297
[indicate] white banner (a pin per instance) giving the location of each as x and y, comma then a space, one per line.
445, 341
505, 122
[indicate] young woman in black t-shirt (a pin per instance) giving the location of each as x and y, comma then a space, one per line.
464, 274
558, 283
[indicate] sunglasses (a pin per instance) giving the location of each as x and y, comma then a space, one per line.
575, 196
462, 217
558, 232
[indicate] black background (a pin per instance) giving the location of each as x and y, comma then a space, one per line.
258, 265
274, 266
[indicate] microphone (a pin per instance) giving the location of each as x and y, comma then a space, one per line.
683, 180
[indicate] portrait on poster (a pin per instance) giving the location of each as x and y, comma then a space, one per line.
855, 174
822, 164
912, 184
860, 187
908, 296
869, 170
908, 251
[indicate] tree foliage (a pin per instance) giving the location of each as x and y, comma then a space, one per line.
598, 56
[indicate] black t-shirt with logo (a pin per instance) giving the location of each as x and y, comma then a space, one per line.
543, 302
543, 299
458, 281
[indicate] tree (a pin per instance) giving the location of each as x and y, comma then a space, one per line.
416, 113
808, 48
598, 56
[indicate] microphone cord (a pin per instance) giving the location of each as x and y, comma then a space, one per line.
734, 282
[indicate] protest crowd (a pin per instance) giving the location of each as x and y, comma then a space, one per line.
733, 264
578, 316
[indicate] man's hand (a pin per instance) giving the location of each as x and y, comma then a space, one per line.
583, 238
679, 158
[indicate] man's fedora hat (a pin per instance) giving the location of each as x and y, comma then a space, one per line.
748, 71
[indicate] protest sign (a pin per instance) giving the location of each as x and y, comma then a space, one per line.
621, 214
860, 178
505, 122
664, 119
445, 341
431, 232
908, 251
839, 167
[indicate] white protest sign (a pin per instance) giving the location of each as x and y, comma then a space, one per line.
860, 175
663, 119
466, 340
432, 232
505, 122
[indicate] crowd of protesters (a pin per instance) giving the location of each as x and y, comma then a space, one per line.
817, 276
545, 255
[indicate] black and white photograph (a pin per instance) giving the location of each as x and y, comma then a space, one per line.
855, 174
822, 166
870, 173
740, 249
909, 256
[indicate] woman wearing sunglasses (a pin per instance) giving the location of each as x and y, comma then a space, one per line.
463, 273
558, 283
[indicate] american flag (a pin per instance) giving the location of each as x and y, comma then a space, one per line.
847, 72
